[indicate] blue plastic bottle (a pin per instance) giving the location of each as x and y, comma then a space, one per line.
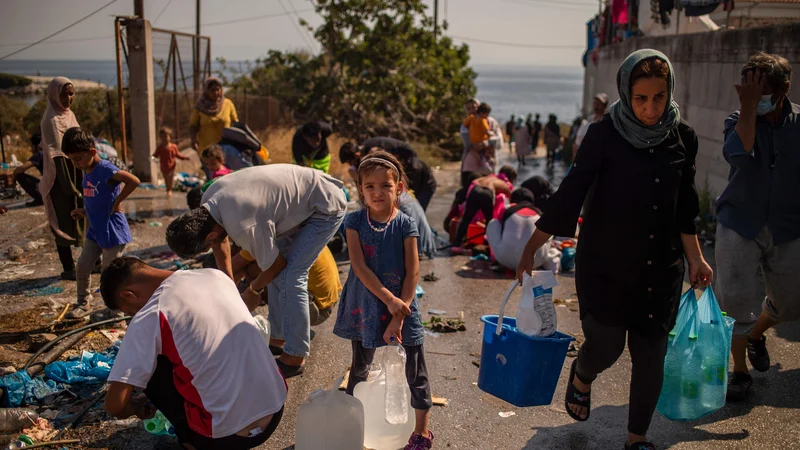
159, 425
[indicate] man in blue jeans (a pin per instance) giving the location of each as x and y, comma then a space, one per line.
282, 215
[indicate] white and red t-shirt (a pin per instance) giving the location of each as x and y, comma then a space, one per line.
222, 366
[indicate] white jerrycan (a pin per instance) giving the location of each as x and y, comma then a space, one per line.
330, 420
536, 315
378, 433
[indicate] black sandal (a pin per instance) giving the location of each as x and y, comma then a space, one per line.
576, 397
642, 445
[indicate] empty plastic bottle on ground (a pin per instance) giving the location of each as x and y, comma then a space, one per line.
330, 420
15, 419
159, 425
396, 385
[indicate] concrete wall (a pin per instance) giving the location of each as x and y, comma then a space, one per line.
706, 66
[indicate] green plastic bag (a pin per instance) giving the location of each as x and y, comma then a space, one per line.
696, 364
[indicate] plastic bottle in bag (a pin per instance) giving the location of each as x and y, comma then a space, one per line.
159, 425
537, 315
691, 379
396, 385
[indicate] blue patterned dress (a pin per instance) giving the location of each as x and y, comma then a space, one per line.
362, 316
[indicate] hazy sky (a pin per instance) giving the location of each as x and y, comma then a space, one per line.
524, 22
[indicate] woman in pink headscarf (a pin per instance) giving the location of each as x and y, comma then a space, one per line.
61, 182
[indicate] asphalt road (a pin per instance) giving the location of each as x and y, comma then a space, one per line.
471, 420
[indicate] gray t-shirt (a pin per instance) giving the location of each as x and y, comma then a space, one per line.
258, 204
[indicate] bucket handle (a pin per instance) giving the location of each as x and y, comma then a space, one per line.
510, 289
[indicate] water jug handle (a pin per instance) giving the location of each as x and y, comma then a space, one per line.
510, 289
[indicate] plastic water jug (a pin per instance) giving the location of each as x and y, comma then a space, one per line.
330, 420
396, 385
536, 315
378, 433
263, 326
159, 425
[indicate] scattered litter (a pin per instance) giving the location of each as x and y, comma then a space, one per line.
15, 272
449, 377
37, 341
113, 335
50, 414
475, 354
476, 363
147, 186
40, 431
343, 384
41, 292
90, 368
155, 224
431, 333
506, 414
187, 180
430, 277
474, 383
440, 325
437, 312
419, 292
15, 419
479, 257
33, 245
36, 213
430, 352
438, 401
133, 422
15, 252
6, 370
572, 352
134, 219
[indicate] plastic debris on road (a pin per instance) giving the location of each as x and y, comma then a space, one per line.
41, 292
419, 292
506, 414
90, 368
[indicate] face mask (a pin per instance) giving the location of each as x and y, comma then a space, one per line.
765, 105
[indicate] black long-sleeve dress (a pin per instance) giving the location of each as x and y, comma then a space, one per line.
629, 262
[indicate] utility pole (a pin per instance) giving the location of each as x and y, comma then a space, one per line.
142, 94
196, 47
138, 8
435, 18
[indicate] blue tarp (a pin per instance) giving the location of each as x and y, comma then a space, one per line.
20, 389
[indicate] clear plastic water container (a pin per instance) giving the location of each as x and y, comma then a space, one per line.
330, 420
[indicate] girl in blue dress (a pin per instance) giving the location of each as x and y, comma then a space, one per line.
378, 303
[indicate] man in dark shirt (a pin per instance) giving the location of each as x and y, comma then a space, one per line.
758, 235
29, 183
420, 176
536, 132
310, 146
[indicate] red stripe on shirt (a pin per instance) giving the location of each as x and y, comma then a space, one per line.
199, 419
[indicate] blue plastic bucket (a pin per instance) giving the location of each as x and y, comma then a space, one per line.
520, 369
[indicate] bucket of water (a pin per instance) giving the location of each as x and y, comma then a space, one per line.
520, 369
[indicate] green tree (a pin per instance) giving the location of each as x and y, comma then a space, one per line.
12, 112
381, 72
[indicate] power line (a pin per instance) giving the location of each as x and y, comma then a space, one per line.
297, 27
59, 31
515, 44
98, 38
244, 19
162, 12
305, 31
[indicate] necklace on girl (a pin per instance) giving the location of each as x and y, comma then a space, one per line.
376, 229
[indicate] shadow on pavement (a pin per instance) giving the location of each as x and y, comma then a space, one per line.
17, 287
607, 427
789, 331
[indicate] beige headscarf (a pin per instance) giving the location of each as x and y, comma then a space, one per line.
204, 104
56, 121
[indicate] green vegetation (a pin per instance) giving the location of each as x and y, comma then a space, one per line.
381, 72
8, 81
